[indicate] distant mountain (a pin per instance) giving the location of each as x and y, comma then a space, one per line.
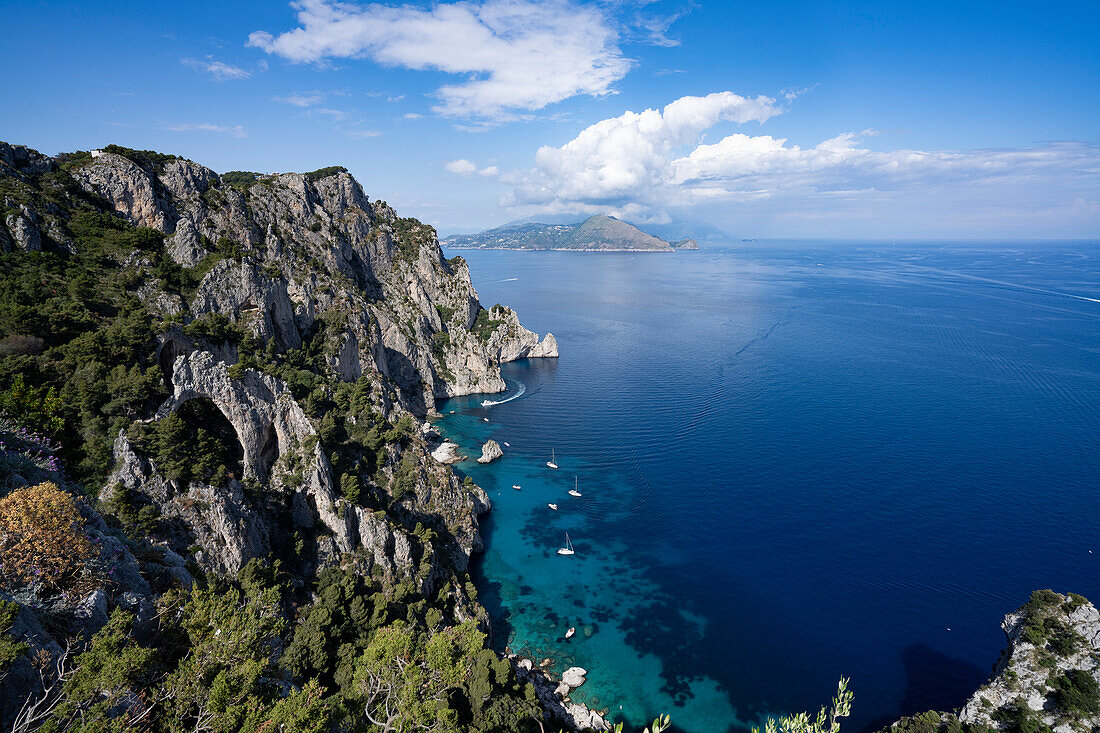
597, 233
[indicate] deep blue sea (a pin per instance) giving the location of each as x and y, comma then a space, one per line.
798, 460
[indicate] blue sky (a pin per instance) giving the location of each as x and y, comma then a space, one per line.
858, 119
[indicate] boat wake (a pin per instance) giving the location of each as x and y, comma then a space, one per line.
519, 393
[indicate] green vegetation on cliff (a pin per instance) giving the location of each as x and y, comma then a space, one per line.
375, 628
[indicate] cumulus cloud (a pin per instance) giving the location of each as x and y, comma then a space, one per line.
516, 56
467, 169
218, 70
619, 159
363, 134
461, 167
641, 165
234, 130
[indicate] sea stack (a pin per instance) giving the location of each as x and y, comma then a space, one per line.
490, 452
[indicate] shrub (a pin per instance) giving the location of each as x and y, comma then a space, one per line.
10, 649
40, 537
485, 324
144, 158
1020, 719
37, 408
349, 487
239, 179
1077, 691
320, 173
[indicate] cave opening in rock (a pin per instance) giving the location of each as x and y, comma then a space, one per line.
169, 351
269, 452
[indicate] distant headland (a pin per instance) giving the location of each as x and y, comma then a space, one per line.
598, 233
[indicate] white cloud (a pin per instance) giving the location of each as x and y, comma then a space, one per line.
234, 130
641, 166
466, 169
218, 70
461, 167
363, 134
412, 116
516, 56
307, 99
623, 157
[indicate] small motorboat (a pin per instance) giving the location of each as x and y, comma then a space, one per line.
573, 491
553, 458
517, 487
568, 549
485, 419
507, 444
553, 506
569, 634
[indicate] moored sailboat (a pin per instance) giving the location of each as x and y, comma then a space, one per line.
573, 491
568, 549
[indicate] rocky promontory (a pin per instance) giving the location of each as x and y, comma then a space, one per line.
599, 233
218, 469
1046, 680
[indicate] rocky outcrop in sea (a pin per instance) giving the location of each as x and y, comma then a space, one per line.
490, 452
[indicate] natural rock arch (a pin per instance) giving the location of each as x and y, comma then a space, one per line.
201, 412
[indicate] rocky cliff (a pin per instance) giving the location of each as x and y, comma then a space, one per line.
238, 366
281, 253
1047, 678
1049, 674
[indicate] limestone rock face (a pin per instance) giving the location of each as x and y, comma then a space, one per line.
510, 341
1051, 638
490, 452
547, 347
242, 292
24, 230
225, 528
296, 250
129, 188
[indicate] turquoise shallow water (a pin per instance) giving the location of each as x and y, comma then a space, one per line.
797, 461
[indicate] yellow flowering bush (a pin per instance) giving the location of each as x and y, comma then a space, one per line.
40, 537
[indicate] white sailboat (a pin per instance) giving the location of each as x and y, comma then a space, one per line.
551, 463
573, 491
553, 506
568, 549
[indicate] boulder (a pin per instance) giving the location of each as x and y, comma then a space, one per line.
490, 452
574, 676
447, 453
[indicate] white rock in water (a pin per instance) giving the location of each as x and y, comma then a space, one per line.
447, 453
574, 676
584, 718
490, 452
562, 689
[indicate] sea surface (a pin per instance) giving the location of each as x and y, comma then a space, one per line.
797, 460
